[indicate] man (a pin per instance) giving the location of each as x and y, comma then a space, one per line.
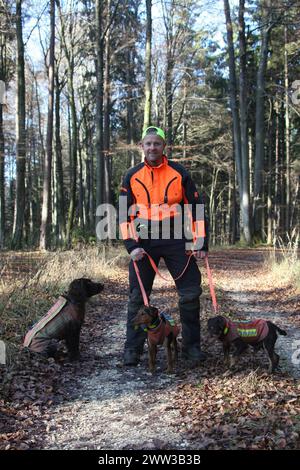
154, 193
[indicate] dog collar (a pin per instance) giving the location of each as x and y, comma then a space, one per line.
226, 329
150, 327
155, 324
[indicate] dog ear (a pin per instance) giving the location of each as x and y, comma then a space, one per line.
77, 289
74, 285
221, 323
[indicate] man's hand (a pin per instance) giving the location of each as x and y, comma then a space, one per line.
137, 254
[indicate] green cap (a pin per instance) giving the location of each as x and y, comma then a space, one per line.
154, 130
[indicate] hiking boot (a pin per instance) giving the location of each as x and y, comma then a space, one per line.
194, 354
131, 357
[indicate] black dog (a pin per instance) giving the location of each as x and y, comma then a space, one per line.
256, 333
63, 321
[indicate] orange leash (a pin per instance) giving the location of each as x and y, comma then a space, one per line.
211, 286
145, 298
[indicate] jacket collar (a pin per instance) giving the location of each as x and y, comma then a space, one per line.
163, 163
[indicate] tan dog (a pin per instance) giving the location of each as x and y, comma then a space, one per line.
160, 330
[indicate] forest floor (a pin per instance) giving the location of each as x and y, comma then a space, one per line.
98, 404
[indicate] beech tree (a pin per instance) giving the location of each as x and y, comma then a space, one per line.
17, 236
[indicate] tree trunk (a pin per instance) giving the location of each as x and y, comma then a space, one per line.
45, 234
184, 120
91, 180
73, 156
2, 180
106, 112
260, 124
148, 89
81, 189
294, 203
212, 204
169, 100
20, 134
73, 131
129, 106
87, 152
233, 95
169, 12
2, 151
245, 202
242, 166
269, 180
287, 135
29, 223
59, 178
41, 135
99, 107
231, 209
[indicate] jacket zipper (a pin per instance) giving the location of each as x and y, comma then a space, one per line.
145, 188
167, 189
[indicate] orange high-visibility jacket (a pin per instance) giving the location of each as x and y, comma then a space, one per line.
153, 194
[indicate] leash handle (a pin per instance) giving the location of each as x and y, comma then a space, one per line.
211, 286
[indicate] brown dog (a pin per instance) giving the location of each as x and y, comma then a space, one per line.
160, 330
63, 321
256, 333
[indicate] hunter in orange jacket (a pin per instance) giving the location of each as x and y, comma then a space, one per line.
156, 197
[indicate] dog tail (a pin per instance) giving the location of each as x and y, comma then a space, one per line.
280, 331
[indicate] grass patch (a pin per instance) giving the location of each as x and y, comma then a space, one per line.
26, 297
287, 272
284, 263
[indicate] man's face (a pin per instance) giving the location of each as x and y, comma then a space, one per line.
153, 148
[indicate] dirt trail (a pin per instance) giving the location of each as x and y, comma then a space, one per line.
111, 407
